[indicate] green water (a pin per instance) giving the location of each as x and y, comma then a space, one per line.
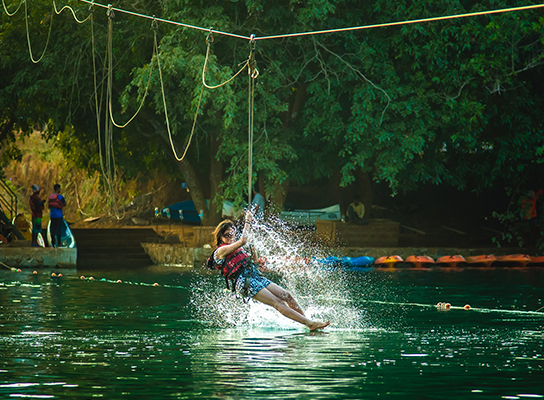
68, 338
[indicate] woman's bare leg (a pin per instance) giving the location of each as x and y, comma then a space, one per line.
286, 296
267, 297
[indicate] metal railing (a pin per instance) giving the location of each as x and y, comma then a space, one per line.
8, 200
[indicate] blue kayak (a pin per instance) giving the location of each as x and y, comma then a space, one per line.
349, 263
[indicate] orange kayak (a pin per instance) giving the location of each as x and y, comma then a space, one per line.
451, 261
537, 260
420, 261
519, 260
390, 261
485, 260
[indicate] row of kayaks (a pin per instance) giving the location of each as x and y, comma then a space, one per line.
486, 260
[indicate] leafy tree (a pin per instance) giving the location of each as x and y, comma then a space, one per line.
448, 102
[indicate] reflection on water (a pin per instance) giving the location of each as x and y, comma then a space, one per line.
187, 338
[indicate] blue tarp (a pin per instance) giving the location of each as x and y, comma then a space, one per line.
188, 209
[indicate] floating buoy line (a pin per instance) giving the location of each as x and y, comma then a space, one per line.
441, 306
58, 276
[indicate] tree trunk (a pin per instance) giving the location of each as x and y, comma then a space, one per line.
189, 175
195, 187
365, 191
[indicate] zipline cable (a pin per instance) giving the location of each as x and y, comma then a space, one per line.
354, 28
162, 20
407, 22
28, 36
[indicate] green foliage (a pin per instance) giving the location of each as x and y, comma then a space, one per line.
454, 102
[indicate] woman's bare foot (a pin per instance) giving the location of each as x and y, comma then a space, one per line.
315, 325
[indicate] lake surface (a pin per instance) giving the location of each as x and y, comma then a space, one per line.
69, 338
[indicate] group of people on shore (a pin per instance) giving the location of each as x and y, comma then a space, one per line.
55, 203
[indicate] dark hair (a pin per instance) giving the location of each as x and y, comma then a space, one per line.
56, 187
220, 230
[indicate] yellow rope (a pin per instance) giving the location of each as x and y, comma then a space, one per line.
204, 85
252, 75
166, 112
111, 168
245, 63
28, 37
145, 93
13, 13
106, 170
72, 10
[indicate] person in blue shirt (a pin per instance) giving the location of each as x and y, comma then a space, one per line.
257, 204
56, 203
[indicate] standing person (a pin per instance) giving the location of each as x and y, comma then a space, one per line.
257, 204
56, 202
530, 212
36, 206
243, 272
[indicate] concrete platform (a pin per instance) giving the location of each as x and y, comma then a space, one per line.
35, 257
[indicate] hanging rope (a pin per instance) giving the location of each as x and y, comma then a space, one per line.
13, 13
209, 40
111, 169
72, 10
28, 36
253, 73
97, 107
154, 25
107, 166
166, 111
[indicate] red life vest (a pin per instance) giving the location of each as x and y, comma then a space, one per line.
54, 201
36, 206
233, 264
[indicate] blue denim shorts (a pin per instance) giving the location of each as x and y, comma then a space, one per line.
257, 282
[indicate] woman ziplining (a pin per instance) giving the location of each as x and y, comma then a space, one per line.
243, 272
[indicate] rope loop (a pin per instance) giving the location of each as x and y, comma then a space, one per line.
252, 42
155, 24
209, 38
252, 70
110, 12
91, 7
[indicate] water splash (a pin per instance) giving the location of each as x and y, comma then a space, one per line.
291, 256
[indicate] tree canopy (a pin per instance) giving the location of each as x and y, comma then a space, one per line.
455, 102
